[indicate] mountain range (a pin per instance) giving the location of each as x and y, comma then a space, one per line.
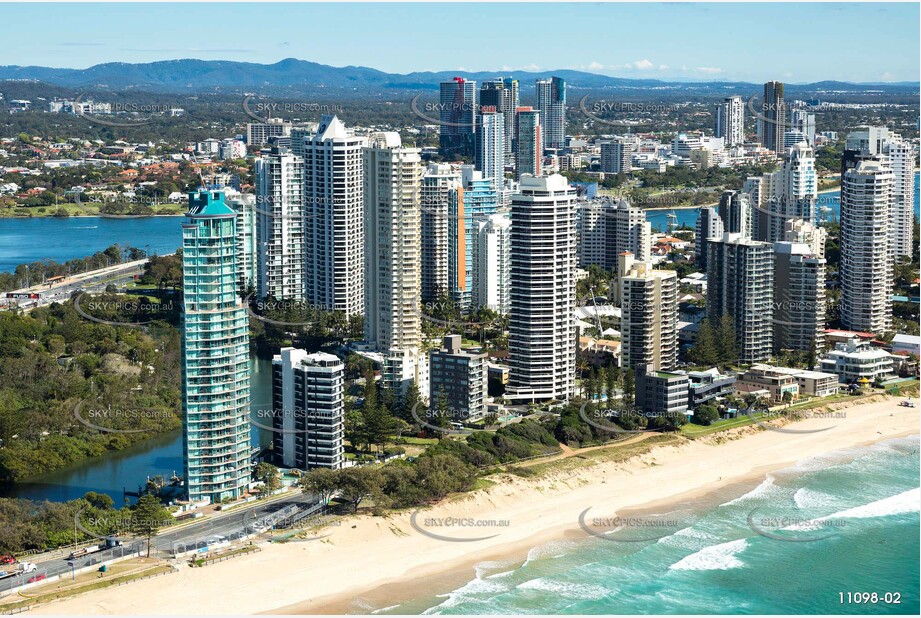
301, 76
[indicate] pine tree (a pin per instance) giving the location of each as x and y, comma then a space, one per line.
705, 350
726, 344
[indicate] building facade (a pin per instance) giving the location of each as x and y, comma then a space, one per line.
551, 101
649, 315
458, 378
492, 264
280, 224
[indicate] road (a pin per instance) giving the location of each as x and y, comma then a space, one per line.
235, 525
92, 281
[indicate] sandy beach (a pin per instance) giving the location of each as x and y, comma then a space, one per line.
367, 560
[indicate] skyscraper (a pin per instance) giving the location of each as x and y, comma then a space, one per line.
773, 117
804, 122
866, 262
528, 142
392, 186
799, 297
542, 331
502, 94
333, 217
709, 225
215, 354
735, 212
490, 148
470, 205
308, 406
740, 284
902, 161
492, 264
729, 121
791, 194
457, 115
616, 156
649, 314
551, 101
440, 183
610, 227
280, 224
244, 204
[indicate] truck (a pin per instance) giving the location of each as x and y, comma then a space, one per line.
92, 549
17, 569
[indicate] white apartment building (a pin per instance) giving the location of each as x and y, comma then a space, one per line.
492, 264
439, 181
333, 217
799, 297
854, 360
649, 314
608, 228
258, 133
902, 160
866, 263
280, 224
729, 121
616, 156
490, 148
542, 332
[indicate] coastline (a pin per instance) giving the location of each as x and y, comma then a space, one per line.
372, 562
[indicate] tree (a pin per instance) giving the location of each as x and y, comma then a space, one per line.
148, 517
442, 415
412, 399
727, 348
706, 414
358, 483
268, 474
321, 481
705, 350
629, 388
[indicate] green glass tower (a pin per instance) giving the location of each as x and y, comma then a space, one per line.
215, 354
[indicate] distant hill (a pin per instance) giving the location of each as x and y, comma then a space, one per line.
301, 76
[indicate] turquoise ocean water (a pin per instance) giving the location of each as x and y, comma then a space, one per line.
855, 513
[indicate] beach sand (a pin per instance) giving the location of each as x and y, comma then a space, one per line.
371, 562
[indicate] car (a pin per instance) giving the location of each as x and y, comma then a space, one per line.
36, 578
7, 559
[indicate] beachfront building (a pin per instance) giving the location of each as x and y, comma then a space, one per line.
308, 410
215, 354
765, 380
799, 298
709, 386
856, 360
458, 378
542, 329
661, 393
866, 261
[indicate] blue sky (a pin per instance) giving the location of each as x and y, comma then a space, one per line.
793, 42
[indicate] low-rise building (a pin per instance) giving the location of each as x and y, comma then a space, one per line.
765, 378
661, 393
811, 383
907, 343
709, 386
856, 360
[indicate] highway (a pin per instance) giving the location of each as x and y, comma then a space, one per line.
235, 525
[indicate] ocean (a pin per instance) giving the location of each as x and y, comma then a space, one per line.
845, 522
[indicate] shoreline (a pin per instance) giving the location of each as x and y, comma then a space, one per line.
539, 508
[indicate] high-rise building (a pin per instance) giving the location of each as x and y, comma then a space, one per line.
791, 194
457, 115
709, 225
490, 147
461, 378
616, 156
542, 330
773, 117
610, 227
503, 94
280, 224
902, 160
333, 217
244, 204
729, 121
735, 212
439, 186
649, 314
740, 284
528, 142
215, 354
492, 264
259, 133
308, 410
551, 101
804, 122
475, 202
799, 297
866, 262
392, 182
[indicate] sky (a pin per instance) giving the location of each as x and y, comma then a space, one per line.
791, 42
